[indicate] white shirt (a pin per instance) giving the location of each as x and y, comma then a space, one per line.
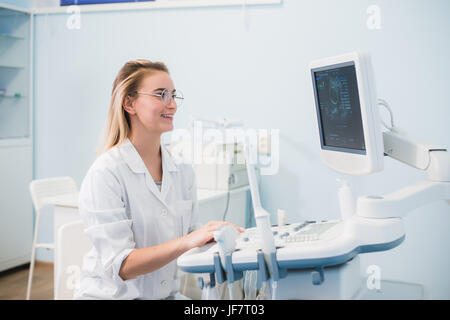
123, 210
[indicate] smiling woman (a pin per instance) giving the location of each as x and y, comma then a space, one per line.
138, 226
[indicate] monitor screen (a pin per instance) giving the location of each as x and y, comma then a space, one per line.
338, 108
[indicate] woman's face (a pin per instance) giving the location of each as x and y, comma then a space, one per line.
150, 113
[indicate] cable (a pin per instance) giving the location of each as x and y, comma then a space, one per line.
228, 199
251, 221
262, 295
230, 290
228, 204
274, 290
250, 285
250, 213
383, 103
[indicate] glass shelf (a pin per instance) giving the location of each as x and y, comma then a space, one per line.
11, 67
7, 96
8, 12
10, 36
15, 72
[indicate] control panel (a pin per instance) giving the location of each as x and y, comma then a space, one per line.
302, 232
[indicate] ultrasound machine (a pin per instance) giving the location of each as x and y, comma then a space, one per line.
320, 260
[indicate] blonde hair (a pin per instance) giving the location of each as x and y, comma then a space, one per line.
126, 84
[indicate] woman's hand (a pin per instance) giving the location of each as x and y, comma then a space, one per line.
205, 234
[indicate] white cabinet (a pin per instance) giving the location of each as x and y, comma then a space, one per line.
16, 148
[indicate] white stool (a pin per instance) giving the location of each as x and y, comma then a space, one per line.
41, 191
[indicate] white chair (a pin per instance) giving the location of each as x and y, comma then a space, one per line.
73, 244
42, 191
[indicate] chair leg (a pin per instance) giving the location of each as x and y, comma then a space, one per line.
33, 257
30, 274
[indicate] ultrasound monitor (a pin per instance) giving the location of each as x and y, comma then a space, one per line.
347, 114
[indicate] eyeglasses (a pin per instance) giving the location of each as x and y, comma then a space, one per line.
166, 96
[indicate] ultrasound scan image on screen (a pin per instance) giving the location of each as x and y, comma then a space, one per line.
339, 109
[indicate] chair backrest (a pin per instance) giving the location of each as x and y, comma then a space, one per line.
72, 244
45, 188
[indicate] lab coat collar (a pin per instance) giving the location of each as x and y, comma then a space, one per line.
168, 161
137, 165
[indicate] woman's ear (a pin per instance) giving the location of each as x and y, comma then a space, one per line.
128, 105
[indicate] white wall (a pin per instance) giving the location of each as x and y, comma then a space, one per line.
259, 74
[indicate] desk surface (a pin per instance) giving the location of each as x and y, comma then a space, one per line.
71, 199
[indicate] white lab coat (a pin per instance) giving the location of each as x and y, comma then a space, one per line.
123, 210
